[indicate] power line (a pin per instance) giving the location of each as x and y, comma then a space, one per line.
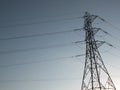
41, 61
38, 80
117, 67
40, 34
114, 54
39, 17
110, 34
113, 37
36, 48
115, 47
115, 27
39, 22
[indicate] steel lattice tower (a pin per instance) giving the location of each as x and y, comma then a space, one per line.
96, 76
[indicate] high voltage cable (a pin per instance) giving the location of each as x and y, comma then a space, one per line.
39, 17
118, 29
113, 37
115, 27
39, 22
41, 61
116, 48
36, 48
40, 34
38, 80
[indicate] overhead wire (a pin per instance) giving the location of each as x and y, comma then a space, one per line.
43, 16
117, 67
118, 29
110, 35
36, 48
41, 61
113, 55
39, 22
112, 46
38, 80
40, 34
113, 36
115, 27
115, 47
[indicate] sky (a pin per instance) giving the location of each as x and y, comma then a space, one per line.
37, 42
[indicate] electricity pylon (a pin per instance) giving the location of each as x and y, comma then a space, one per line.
95, 76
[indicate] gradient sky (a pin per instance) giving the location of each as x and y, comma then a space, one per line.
26, 17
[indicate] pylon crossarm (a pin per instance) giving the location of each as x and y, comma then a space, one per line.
99, 43
96, 30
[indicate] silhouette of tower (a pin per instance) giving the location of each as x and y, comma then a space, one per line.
95, 76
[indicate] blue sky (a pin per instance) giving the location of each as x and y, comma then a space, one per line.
53, 68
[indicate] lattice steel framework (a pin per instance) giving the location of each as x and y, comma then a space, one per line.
96, 76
